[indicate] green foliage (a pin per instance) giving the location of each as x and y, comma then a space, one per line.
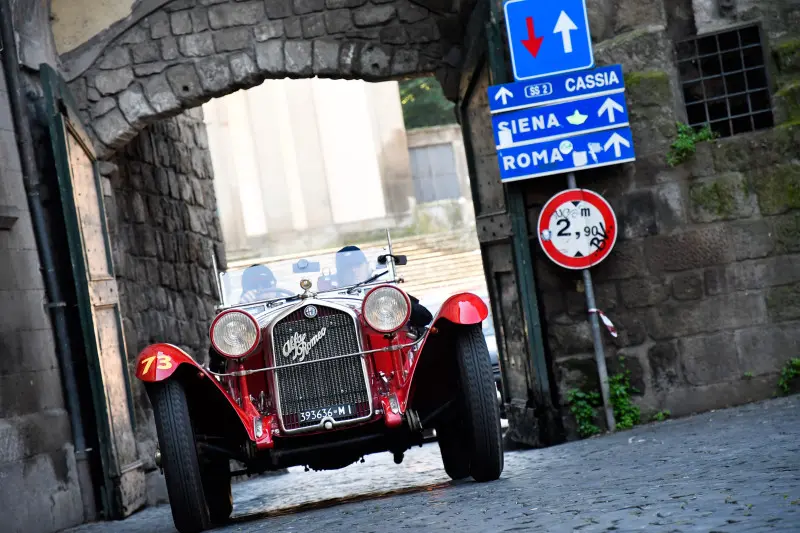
582, 406
748, 375
626, 413
424, 103
789, 372
686, 144
661, 416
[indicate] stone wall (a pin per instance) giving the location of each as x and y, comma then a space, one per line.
39, 490
704, 280
161, 210
189, 51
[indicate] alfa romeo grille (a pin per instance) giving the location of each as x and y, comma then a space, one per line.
312, 387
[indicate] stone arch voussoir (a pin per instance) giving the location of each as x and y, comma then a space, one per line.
189, 51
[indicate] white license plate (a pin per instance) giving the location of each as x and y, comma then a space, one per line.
336, 412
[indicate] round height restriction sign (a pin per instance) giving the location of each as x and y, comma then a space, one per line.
577, 229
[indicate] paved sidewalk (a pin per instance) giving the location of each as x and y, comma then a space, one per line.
727, 471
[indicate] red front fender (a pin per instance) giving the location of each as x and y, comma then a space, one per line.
464, 308
159, 362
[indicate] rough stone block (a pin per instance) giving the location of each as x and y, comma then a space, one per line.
785, 232
232, 39
185, 83
692, 249
279, 10
102, 107
709, 359
687, 286
113, 81
215, 75
146, 52
423, 32
408, 12
302, 7
181, 23
113, 129
778, 188
236, 14
750, 239
196, 44
298, 57
627, 360
643, 292
373, 15
292, 28
115, 58
723, 197
665, 368
169, 49
787, 55
199, 19
269, 30
394, 35
648, 88
783, 303
326, 57
755, 274
159, 25
134, 105
313, 25
135, 35
764, 351
405, 62
269, 56
374, 61
149, 69
637, 215
570, 339
678, 319
626, 261
160, 94
644, 48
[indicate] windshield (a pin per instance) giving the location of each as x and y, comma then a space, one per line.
327, 270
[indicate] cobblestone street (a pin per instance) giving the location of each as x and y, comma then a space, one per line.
725, 471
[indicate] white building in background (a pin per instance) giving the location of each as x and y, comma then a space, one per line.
305, 164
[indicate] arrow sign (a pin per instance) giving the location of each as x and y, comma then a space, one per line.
615, 141
504, 94
609, 106
564, 26
532, 43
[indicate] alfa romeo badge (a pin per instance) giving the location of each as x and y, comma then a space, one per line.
577, 229
310, 311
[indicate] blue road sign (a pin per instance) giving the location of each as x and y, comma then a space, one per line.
552, 122
556, 89
591, 150
548, 37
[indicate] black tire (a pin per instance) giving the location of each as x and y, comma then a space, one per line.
482, 434
179, 457
455, 456
217, 487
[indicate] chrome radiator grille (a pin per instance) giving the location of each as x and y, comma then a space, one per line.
320, 385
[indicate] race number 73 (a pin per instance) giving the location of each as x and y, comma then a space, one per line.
164, 362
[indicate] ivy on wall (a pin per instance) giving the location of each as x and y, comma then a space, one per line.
424, 104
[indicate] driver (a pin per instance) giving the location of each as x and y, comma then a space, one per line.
353, 267
258, 283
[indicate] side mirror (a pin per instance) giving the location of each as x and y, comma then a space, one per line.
304, 265
398, 259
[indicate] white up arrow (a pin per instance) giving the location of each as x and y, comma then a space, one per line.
505, 94
615, 141
564, 26
609, 106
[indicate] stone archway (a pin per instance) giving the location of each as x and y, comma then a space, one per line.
185, 52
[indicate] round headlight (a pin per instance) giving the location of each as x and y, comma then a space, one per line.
386, 309
235, 334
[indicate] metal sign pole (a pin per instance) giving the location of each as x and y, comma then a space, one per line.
599, 355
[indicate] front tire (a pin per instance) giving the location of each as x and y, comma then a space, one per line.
217, 488
482, 434
455, 457
179, 457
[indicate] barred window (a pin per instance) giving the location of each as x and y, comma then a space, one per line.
724, 80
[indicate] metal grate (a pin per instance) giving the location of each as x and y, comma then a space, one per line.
327, 383
724, 81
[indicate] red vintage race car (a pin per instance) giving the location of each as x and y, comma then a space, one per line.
345, 365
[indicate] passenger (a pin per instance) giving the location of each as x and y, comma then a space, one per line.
352, 267
258, 283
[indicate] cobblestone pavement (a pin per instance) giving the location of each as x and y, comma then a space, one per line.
727, 471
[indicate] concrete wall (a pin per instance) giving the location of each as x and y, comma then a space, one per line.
297, 163
38, 478
163, 225
703, 282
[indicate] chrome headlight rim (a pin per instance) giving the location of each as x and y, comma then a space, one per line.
247, 316
402, 323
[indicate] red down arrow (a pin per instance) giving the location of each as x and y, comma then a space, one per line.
532, 43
